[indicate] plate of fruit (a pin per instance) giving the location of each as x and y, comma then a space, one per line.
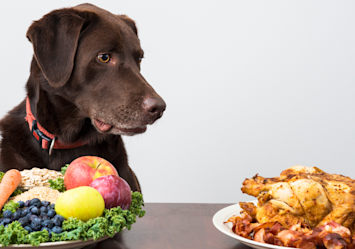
67, 214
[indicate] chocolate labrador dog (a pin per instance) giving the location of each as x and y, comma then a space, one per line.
84, 91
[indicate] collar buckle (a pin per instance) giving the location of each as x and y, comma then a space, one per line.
36, 133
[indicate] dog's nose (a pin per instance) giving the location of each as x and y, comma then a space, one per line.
154, 108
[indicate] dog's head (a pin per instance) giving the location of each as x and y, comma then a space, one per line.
92, 58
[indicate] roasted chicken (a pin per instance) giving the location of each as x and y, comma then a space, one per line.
305, 195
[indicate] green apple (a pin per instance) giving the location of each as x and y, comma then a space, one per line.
83, 203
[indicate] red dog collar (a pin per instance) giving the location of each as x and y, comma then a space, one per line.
46, 139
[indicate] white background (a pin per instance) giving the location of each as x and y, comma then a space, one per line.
250, 86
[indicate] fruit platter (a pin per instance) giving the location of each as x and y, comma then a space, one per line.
85, 203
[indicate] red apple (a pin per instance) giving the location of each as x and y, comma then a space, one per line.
83, 170
115, 191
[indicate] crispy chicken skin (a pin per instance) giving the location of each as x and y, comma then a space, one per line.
298, 169
257, 185
341, 193
312, 198
270, 213
305, 194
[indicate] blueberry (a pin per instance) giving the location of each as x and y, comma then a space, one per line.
24, 221
43, 209
27, 203
7, 225
51, 206
45, 203
16, 215
31, 217
44, 217
57, 221
47, 223
6, 221
38, 219
29, 229
7, 214
60, 217
57, 229
24, 211
28, 216
35, 202
36, 224
51, 213
35, 210
21, 203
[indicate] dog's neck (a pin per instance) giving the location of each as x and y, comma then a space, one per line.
56, 114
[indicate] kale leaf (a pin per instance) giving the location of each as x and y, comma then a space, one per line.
14, 233
64, 169
11, 205
57, 184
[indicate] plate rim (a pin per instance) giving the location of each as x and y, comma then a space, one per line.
224, 214
59, 243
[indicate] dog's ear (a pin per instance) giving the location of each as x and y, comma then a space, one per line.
130, 23
55, 38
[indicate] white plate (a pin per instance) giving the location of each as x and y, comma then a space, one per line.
60, 244
224, 214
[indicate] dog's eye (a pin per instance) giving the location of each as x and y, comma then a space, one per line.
140, 60
104, 58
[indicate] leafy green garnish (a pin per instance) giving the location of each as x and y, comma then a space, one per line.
97, 227
136, 204
57, 184
14, 233
64, 169
74, 229
1, 175
16, 192
11, 205
35, 238
72, 235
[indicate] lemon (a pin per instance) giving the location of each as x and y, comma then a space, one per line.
83, 203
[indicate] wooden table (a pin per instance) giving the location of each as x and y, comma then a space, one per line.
173, 226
